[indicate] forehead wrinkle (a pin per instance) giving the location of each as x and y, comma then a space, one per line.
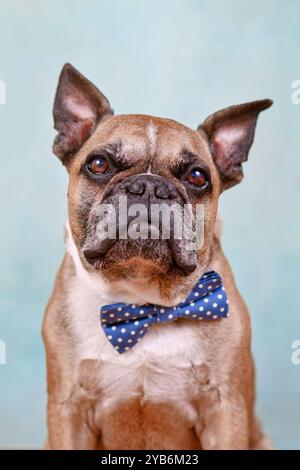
148, 140
151, 140
131, 137
135, 148
140, 142
188, 157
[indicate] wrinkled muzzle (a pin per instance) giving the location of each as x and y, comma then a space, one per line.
144, 216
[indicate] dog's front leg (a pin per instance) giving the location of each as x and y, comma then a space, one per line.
71, 423
222, 414
73, 386
71, 408
223, 423
68, 429
226, 428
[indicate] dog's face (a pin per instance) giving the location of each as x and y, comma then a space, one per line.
152, 162
148, 161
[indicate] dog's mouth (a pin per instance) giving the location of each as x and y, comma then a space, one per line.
142, 231
165, 255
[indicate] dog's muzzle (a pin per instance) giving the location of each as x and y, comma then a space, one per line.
148, 197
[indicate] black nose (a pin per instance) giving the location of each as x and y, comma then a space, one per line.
151, 185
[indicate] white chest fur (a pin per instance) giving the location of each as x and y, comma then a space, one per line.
160, 365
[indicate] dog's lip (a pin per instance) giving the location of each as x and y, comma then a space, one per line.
91, 255
97, 253
94, 253
186, 265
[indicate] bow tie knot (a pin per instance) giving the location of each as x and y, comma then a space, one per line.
126, 324
166, 314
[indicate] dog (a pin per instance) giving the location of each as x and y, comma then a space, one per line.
185, 384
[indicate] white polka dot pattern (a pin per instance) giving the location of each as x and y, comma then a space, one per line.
126, 324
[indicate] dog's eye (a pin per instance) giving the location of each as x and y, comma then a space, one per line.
98, 165
198, 178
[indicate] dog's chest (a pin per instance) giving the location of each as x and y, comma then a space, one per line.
159, 369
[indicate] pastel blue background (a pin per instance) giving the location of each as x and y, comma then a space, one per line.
180, 59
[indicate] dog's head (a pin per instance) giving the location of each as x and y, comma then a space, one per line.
132, 164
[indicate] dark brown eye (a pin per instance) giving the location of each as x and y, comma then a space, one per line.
98, 165
197, 178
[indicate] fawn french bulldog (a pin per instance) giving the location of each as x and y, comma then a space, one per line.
129, 366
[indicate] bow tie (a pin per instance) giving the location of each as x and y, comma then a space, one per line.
126, 324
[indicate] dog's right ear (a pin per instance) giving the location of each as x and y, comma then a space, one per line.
78, 107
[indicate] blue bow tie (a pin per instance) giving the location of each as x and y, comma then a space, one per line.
126, 324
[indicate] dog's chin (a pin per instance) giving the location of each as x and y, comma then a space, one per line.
135, 259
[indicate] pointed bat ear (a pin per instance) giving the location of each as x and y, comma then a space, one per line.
78, 107
230, 133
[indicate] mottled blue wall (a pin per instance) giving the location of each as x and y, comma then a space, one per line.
181, 59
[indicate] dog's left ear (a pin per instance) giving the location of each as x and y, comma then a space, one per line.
230, 133
78, 107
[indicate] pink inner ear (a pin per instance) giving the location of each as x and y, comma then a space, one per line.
228, 148
85, 128
79, 109
82, 119
228, 137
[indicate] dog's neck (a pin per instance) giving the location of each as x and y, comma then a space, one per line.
137, 291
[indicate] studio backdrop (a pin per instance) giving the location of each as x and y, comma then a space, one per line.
177, 59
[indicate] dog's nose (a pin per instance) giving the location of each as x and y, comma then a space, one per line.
151, 185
